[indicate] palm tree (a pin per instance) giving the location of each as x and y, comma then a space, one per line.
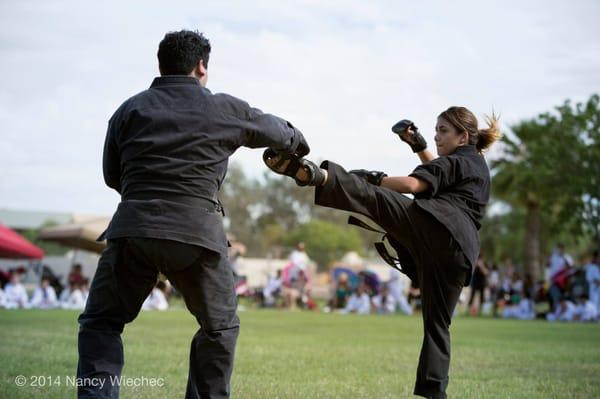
549, 168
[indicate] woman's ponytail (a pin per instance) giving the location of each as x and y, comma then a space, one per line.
486, 137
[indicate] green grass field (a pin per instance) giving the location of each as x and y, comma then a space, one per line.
312, 355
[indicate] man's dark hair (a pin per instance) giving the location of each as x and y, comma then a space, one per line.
180, 52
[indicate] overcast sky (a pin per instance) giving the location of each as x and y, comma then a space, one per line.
342, 71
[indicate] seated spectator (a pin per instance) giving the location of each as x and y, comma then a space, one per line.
396, 287
585, 310
524, 310
85, 289
592, 276
271, 291
157, 300
359, 302
565, 311
64, 294
342, 292
15, 294
2, 299
516, 288
384, 302
75, 275
75, 299
44, 296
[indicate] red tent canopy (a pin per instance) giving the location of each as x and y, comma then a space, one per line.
13, 246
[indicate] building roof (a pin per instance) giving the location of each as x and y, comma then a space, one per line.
25, 220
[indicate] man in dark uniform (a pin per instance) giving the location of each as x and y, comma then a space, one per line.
166, 153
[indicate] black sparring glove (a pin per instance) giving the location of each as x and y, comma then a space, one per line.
415, 140
303, 149
371, 176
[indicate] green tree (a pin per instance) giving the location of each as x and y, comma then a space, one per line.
549, 169
325, 241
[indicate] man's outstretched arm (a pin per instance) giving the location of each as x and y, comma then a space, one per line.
266, 130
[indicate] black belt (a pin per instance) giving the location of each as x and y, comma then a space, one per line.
197, 202
382, 250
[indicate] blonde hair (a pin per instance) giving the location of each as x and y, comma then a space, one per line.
464, 120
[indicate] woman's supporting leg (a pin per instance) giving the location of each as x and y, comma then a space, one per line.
441, 266
442, 269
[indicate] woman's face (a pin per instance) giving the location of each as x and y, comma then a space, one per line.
447, 138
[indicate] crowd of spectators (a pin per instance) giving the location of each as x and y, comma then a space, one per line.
51, 294
366, 296
567, 292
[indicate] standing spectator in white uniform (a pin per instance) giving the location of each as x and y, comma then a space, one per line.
44, 296
384, 302
396, 286
359, 302
272, 290
299, 260
557, 263
157, 300
565, 311
592, 276
15, 294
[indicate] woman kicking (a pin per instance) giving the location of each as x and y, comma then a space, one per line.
435, 235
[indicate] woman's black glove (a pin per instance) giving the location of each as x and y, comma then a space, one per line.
371, 176
409, 133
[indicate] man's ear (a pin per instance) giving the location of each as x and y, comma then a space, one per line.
200, 69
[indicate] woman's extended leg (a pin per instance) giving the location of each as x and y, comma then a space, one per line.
348, 192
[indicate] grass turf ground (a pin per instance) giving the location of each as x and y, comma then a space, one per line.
313, 355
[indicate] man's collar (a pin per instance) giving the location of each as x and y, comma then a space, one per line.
174, 80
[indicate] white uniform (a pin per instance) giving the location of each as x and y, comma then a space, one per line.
385, 308
64, 295
74, 301
273, 285
358, 304
396, 287
523, 311
587, 311
44, 298
299, 261
592, 276
558, 262
15, 296
155, 301
563, 312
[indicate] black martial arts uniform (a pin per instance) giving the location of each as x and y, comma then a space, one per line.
166, 153
436, 235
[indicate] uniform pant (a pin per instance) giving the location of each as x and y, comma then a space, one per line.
127, 272
440, 264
